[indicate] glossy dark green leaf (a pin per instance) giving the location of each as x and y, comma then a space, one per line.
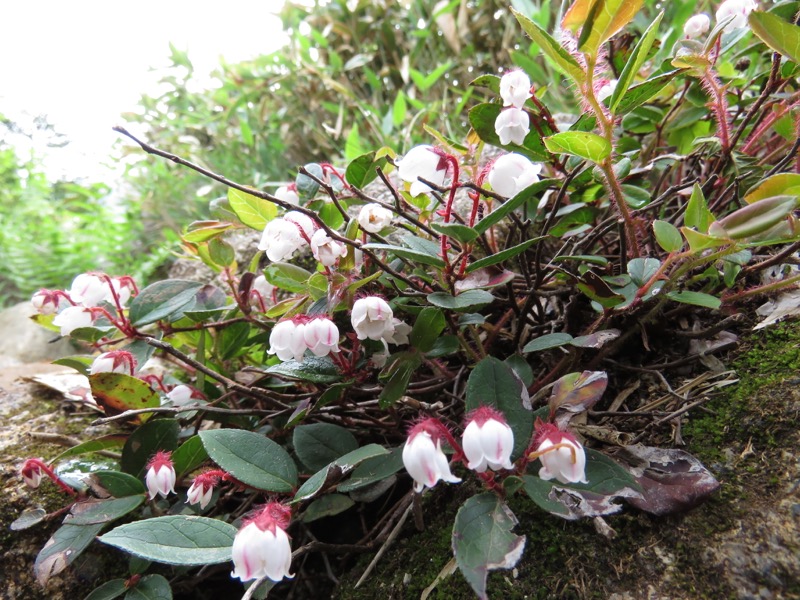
494, 383
502, 211
175, 540
252, 458
373, 470
150, 587
109, 590
409, 253
313, 368
106, 442
142, 444
327, 506
458, 232
114, 483
547, 341
286, 276
783, 37
319, 444
668, 236
189, 456
471, 299
696, 299
503, 255
94, 510
333, 472
161, 299
427, 328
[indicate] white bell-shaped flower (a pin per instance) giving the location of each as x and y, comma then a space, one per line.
321, 336
424, 458
488, 441
512, 173
512, 125
160, 478
374, 217
372, 318
515, 88
563, 457
261, 548
739, 10
325, 249
287, 340
116, 361
72, 318
422, 161
697, 25
287, 194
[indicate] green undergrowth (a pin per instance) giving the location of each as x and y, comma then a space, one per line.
570, 560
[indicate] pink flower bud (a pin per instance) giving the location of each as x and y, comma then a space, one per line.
512, 125
563, 457
287, 340
287, 194
116, 361
321, 336
422, 161
200, 492
262, 548
372, 318
423, 457
512, 173
160, 478
515, 88
72, 318
488, 440
31, 473
46, 302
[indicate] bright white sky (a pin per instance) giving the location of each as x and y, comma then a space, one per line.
84, 63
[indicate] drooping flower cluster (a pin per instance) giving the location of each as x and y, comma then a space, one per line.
512, 173
513, 124
291, 338
261, 547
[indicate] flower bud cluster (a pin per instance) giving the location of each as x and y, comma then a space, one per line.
512, 124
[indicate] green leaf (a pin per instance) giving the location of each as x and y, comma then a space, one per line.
579, 143
150, 587
161, 300
113, 440
175, 540
411, 254
781, 184
642, 92
427, 328
545, 342
94, 510
109, 590
189, 456
781, 36
155, 435
697, 214
404, 365
116, 392
607, 482
502, 211
202, 231
483, 541
494, 383
642, 270
80, 363
114, 483
286, 276
490, 82
577, 392
221, 252
232, 339
251, 458
464, 301
337, 469
637, 58
554, 51
373, 470
668, 236
696, 299
307, 188
503, 255
319, 444
327, 506
458, 232
313, 368
353, 146
700, 241
362, 170
65, 545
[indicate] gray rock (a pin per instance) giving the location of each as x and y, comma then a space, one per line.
23, 341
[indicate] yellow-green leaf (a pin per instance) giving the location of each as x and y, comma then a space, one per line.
580, 143
554, 51
251, 210
780, 35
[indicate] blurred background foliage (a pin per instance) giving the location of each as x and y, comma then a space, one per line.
355, 75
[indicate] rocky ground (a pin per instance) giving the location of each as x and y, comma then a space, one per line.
743, 543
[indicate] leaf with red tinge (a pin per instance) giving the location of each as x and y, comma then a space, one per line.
117, 393
64, 547
575, 393
671, 480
